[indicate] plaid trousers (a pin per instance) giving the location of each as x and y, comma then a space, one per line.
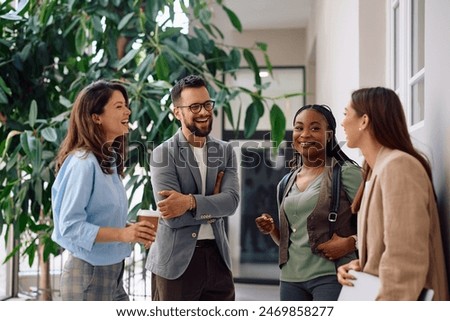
81, 281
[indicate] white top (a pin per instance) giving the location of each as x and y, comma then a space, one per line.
206, 232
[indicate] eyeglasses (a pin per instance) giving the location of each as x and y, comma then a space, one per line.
197, 107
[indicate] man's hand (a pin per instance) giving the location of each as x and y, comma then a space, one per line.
174, 205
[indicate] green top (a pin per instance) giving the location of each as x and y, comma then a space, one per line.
302, 264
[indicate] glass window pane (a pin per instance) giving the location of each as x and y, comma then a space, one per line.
396, 47
417, 102
417, 35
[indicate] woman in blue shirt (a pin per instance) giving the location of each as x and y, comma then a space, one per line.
88, 198
310, 248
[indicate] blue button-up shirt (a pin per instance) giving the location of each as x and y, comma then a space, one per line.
83, 200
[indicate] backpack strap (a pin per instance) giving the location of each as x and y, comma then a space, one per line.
283, 184
335, 197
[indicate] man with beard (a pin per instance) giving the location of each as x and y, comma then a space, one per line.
195, 183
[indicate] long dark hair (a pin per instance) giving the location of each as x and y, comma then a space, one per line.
333, 150
84, 134
387, 122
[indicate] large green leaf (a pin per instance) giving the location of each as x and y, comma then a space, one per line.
80, 41
233, 18
234, 59
278, 125
127, 58
145, 68
31, 252
259, 107
229, 113
49, 134
125, 20
162, 68
75, 23
50, 247
251, 120
25, 143
251, 61
38, 191
5, 87
3, 97
13, 159
33, 150
32, 115
10, 136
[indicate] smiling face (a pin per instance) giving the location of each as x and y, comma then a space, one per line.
310, 136
195, 127
115, 116
352, 124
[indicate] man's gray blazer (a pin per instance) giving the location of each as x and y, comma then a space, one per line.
173, 167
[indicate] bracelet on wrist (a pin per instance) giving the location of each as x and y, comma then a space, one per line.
191, 198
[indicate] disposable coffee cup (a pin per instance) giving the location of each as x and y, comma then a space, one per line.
148, 215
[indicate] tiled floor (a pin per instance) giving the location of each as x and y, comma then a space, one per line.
256, 271
256, 282
256, 292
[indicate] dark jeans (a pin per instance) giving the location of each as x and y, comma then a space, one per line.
324, 288
207, 278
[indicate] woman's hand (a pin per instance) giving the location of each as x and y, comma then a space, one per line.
343, 276
337, 247
142, 232
265, 223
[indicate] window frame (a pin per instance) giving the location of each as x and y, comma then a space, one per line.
402, 78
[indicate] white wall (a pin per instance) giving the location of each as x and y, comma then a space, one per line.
286, 47
333, 37
372, 43
437, 106
346, 42
349, 41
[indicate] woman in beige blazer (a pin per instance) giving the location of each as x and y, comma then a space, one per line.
398, 223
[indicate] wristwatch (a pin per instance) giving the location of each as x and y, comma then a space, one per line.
356, 240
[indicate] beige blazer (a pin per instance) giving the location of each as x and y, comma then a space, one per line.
399, 231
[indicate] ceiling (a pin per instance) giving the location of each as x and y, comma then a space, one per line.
271, 14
